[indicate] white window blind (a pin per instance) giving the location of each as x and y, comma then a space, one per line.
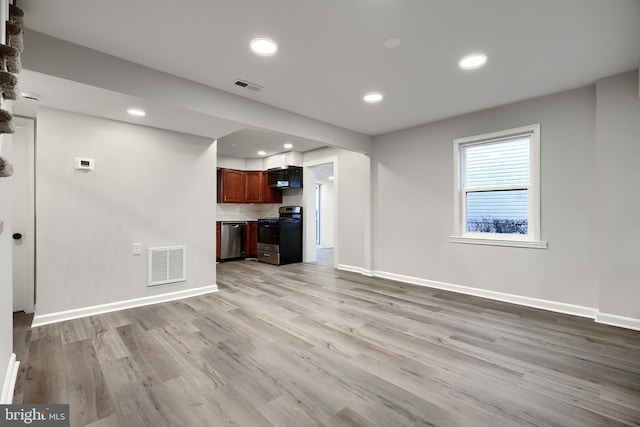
498, 163
496, 186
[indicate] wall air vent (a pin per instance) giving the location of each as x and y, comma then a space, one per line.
32, 96
166, 265
248, 85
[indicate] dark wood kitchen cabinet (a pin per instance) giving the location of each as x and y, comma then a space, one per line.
257, 188
269, 195
237, 186
253, 187
251, 239
231, 186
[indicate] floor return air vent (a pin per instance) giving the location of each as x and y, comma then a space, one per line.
166, 265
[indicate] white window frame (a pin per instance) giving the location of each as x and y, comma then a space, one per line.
529, 240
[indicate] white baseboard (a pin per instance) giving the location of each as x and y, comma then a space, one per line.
45, 319
555, 306
10, 381
620, 321
354, 269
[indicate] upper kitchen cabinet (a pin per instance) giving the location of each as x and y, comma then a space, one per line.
257, 188
253, 187
237, 186
269, 195
231, 186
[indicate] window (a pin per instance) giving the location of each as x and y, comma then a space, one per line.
497, 197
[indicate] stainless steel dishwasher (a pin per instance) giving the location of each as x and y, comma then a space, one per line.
232, 239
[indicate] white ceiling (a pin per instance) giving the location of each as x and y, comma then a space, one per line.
72, 96
246, 143
331, 51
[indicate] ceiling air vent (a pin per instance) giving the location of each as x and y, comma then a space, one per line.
248, 85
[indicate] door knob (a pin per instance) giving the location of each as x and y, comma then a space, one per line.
17, 236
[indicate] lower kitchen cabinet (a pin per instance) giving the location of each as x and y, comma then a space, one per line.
251, 239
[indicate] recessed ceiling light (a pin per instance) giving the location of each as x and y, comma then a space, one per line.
373, 97
288, 145
262, 153
473, 61
136, 112
263, 47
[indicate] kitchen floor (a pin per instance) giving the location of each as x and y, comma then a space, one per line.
307, 345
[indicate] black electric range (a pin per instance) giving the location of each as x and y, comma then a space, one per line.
280, 239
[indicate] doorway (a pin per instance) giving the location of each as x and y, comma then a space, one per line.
23, 214
325, 205
320, 208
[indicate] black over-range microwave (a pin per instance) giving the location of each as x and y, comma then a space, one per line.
285, 177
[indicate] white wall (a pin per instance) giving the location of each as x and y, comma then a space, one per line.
617, 194
327, 214
293, 196
589, 205
228, 162
413, 204
353, 197
149, 186
288, 158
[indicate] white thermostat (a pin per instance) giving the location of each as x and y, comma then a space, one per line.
84, 164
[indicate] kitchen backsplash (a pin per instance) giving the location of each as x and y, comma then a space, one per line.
231, 212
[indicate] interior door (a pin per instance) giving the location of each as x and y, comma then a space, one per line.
23, 232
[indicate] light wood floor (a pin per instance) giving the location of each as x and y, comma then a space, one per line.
304, 345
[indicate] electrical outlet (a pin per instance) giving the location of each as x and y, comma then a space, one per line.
137, 248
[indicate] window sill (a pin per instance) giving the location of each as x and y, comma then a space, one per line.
533, 244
